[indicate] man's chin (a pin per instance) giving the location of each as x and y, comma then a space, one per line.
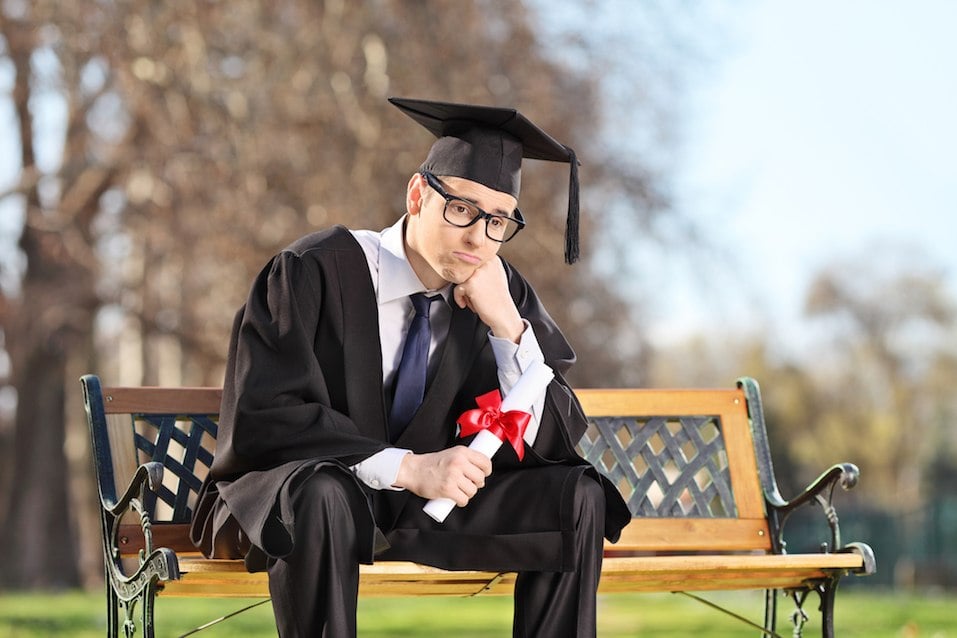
457, 275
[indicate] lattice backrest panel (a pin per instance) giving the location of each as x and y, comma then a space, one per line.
664, 466
185, 445
678, 453
173, 426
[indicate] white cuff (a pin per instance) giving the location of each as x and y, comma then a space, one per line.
380, 470
512, 359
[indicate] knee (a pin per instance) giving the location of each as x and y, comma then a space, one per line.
325, 495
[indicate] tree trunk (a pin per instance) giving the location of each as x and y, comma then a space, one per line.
38, 546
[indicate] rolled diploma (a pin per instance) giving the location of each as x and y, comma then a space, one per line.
522, 397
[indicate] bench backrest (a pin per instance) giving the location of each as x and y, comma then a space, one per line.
686, 463
692, 464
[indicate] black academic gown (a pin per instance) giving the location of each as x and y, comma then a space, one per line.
304, 391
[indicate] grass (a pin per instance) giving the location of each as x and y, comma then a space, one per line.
860, 613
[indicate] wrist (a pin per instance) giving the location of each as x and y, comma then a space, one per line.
511, 329
403, 478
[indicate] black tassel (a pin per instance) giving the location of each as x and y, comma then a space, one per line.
571, 223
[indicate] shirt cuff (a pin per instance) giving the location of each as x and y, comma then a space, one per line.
512, 360
380, 470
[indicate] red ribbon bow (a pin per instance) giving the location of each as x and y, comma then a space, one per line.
505, 426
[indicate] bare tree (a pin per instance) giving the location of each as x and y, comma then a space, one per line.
52, 316
876, 388
891, 314
200, 137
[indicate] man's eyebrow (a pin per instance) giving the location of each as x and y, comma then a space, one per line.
497, 211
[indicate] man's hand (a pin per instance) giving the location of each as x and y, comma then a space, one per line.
486, 294
456, 473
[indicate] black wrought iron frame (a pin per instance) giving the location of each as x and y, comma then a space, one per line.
131, 593
821, 493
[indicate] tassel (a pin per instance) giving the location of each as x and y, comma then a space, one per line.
571, 223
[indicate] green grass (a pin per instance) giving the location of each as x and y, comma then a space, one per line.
859, 614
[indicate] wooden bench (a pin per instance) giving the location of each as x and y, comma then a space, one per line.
694, 466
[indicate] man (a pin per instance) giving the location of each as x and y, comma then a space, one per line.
351, 361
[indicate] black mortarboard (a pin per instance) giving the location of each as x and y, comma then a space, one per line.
486, 144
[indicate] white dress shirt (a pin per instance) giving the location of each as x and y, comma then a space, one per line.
394, 280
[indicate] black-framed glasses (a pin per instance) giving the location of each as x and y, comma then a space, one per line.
463, 213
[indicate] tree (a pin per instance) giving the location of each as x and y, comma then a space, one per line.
892, 316
53, 314
199, 137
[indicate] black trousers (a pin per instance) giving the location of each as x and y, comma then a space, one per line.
314, 590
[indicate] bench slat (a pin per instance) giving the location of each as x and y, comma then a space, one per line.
713, 573
654, 402
221, 578
742, 463
172, 535
693, 534
122, 449
149, 400
645, 535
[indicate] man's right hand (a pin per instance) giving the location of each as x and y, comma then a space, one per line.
456, 473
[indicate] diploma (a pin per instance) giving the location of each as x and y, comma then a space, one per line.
497, 420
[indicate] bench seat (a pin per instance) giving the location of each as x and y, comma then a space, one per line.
229, 578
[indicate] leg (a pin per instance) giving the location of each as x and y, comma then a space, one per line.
827, 592
770, 609
314, 589
560, 604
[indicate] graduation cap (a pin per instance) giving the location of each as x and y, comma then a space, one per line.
486, 144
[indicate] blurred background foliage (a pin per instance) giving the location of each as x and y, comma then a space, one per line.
163, 151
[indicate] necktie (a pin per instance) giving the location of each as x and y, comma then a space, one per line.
410, 377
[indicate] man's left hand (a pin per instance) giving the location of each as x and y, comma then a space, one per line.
486, 294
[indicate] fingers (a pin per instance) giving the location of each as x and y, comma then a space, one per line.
457, 473
485, 288
470, 475
468, 464
486, 294
464, 474
464, 493
460, 296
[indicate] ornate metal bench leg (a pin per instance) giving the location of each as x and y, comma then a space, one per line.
129, 625
131, 616
146, 615
799, 616
827, 591
770, 610
112, 610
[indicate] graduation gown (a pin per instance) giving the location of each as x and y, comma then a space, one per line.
304, 393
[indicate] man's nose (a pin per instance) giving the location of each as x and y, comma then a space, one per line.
475, 234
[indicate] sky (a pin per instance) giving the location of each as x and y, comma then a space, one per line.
816, 131
820, 131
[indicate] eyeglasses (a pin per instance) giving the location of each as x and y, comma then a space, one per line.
463, 213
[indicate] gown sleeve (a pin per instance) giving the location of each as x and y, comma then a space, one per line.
276, 404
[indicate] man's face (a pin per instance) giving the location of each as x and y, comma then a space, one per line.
438, 251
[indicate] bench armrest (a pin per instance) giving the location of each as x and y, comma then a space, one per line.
154, 564
820, 492
148, 475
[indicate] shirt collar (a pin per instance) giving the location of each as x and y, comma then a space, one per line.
396, 277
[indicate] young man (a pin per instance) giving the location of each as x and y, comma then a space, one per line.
351, 361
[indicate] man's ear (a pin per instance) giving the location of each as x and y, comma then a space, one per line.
415, 194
